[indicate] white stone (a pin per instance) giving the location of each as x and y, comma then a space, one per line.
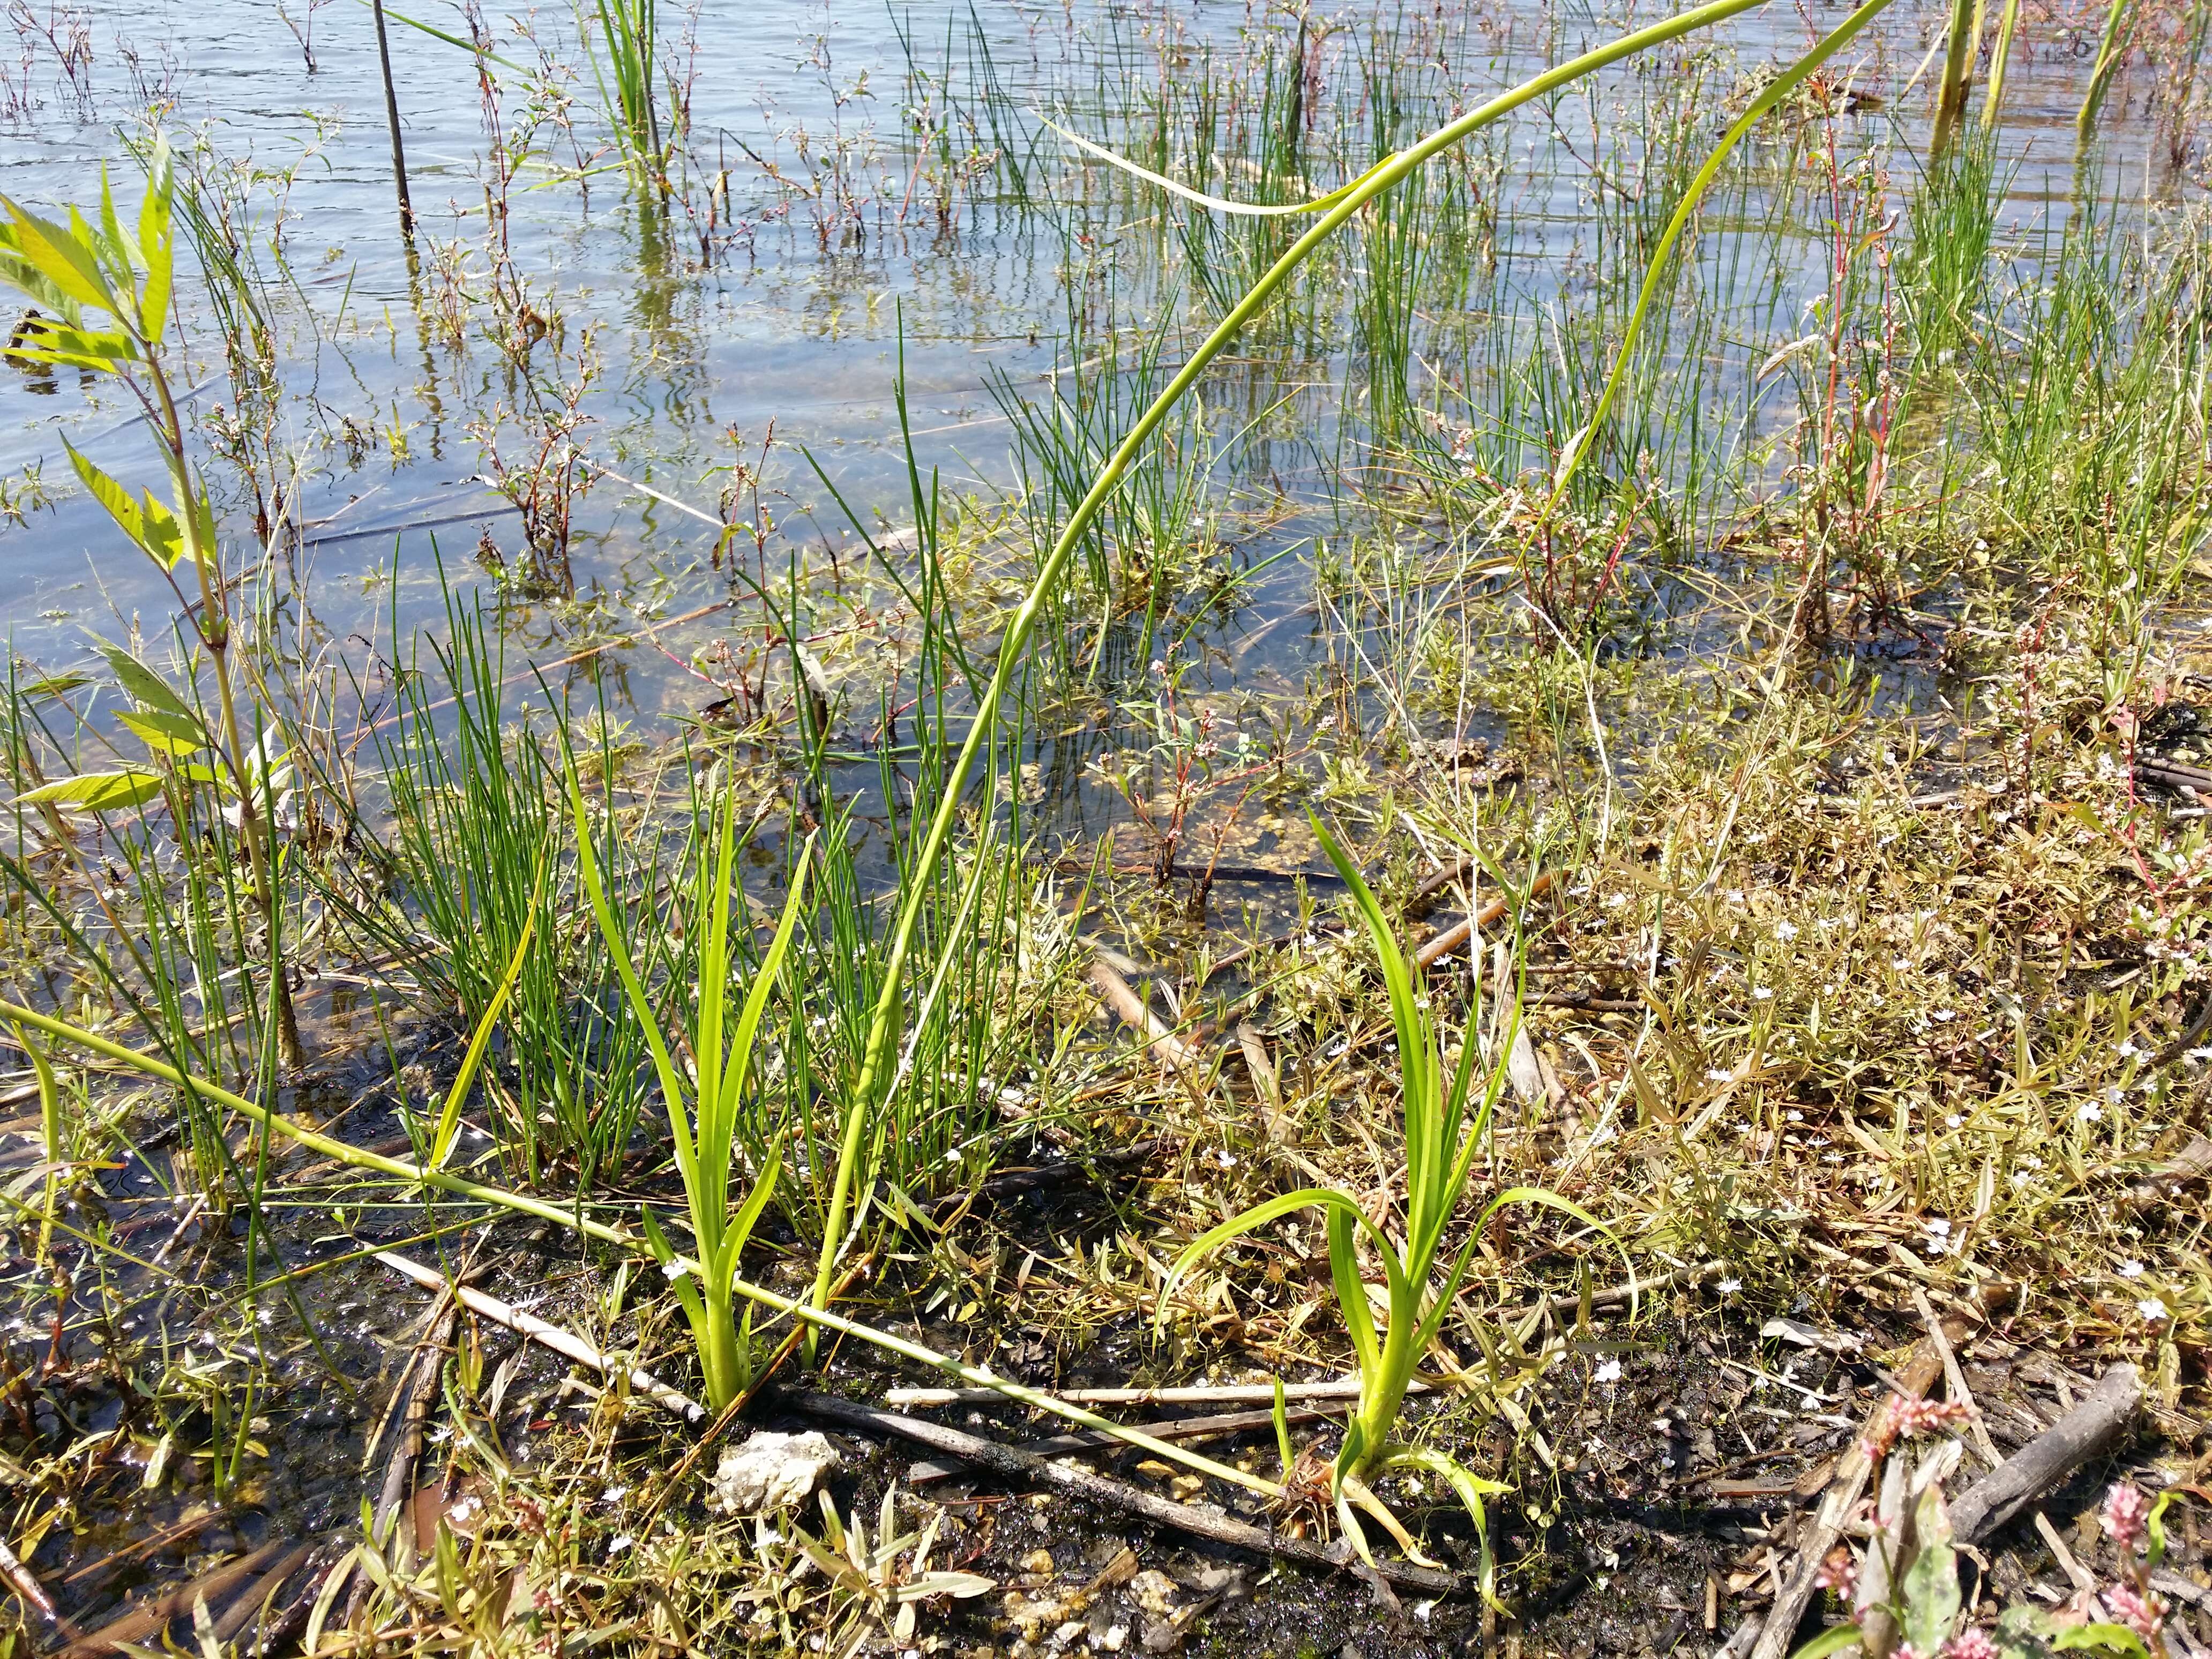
773, 1471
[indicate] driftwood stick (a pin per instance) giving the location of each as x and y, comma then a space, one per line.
549, 1335
260, 1594
1455, 937
421, 1388
1342, 1387
1770, 1638
151, 1617
2052, 1457
1116, 1494
1184, 1429
1118, 994
26, 1584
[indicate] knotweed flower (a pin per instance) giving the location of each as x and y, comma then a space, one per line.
2125, 1511
1839, 1571
2143, 1614
1972, 1643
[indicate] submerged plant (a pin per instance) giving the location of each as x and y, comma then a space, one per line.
1445, 1127
702, 1119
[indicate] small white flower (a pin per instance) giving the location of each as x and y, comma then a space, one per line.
2131, 1270
674, 1270
1953, 1120
2127, 1050
1607, 1372
2152, 1309
1785, 930
614, 1494
618, 1543
1761, 994
1729, 1286
2091, 1112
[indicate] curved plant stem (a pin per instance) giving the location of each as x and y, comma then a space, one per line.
567, 1215
882, 1025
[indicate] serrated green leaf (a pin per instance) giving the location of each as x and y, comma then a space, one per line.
110, 495
165, 732
145, 686
165, 537
97, 791
155, 242
58, 257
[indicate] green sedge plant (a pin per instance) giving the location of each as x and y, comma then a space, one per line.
702, 1118
874, 1076
109, 288
1446, 1123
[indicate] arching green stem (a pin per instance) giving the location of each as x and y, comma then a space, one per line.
883, 1024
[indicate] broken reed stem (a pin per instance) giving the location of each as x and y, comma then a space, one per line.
392, 120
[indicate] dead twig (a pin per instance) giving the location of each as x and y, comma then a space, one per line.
2049, 1459
549, 1335
1119, 1495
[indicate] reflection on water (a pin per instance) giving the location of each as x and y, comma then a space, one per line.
866, 188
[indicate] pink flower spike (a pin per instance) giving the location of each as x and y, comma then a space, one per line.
1838, 1572
2125, 1510
1972, 1643
2143, 1614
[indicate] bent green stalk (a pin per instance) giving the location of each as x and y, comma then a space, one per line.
569, 1216
875, 1058
1782, 85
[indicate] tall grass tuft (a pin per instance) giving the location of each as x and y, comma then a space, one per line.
702, 1116
627, 40
1446, 1124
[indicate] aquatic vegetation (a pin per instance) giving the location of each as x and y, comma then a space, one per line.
702, 1119
1446, 1121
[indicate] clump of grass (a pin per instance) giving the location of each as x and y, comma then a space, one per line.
702, 1115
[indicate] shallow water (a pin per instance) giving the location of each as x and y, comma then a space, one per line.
787, 324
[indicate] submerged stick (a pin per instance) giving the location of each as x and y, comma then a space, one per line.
566, 1343
1119, 1494
154, 1616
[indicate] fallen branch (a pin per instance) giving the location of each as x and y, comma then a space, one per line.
551, 1336
1770, 1637
1207, 1524
1455, 937
2051, 1458
1118, 995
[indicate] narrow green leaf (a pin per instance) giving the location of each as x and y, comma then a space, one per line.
449, 1119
